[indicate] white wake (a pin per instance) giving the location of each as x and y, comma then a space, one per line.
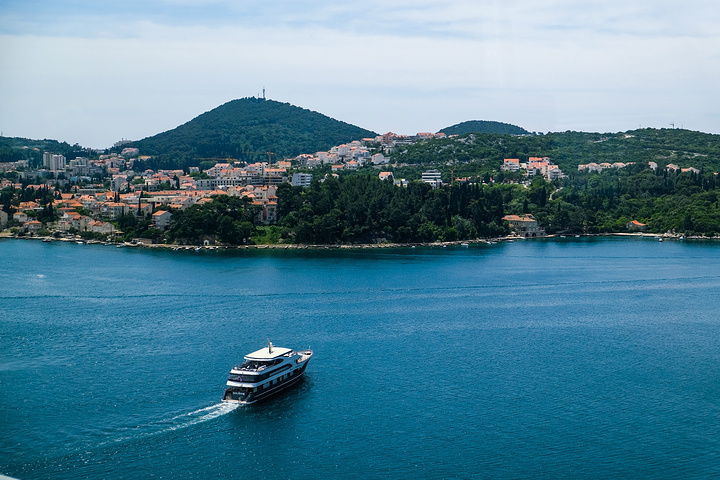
175, 423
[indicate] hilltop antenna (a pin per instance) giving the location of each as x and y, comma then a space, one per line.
263, 93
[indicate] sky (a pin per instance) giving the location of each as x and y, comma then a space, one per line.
94, 72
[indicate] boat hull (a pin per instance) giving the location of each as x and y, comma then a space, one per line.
234, 395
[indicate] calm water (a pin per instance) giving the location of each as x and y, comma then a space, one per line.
575, 358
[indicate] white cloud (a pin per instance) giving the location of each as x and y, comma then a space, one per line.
399, 65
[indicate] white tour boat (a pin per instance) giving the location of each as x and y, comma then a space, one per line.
265, 372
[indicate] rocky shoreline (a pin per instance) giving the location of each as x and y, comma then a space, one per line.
369, 246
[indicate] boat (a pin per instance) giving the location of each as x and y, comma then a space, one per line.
265, 372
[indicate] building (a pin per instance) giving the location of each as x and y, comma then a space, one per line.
524, 226
97, 226
161, 219
635, 226
432, 177
379, 159
32, 226
511, 164
118, 182
54, 162
301, 179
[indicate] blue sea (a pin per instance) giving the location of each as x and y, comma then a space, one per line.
578, 358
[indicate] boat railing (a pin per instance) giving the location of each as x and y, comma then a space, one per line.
250, 368
304, 355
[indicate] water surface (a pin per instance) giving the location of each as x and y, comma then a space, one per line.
570, 358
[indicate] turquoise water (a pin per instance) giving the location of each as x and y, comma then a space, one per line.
571, 358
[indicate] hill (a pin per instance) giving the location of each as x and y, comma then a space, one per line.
485, 152
13, 149
483, 126
246, 128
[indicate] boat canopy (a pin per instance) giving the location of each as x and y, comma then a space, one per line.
267, 354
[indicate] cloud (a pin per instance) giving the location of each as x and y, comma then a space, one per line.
95, 72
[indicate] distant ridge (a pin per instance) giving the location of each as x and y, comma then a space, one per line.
246, 128
483, 126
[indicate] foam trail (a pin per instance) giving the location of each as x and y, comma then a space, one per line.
176, 423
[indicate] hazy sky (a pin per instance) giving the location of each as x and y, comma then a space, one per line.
93, 72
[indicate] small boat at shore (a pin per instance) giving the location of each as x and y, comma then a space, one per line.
265, 372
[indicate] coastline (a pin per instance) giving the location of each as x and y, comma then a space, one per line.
365, 246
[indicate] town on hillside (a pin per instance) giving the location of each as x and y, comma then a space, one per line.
91, 194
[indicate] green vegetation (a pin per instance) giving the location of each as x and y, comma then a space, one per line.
359, 208
364, 209
683, 203
484, 126
225, 219
13, 149
246, 129
485, 152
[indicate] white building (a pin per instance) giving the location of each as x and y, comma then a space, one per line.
433, 177
511, 164
54, 162
161, 219
118, 182
379, 159
301, 179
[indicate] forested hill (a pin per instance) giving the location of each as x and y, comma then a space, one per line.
569, 149
13, 149
483, 126
246, 128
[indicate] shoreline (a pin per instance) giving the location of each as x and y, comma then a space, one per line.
365, 246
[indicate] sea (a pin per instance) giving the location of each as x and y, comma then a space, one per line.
572, 358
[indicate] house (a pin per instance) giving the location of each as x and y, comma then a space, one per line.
20, 217
114, 209
511, 164
29, 207
553, 173
386, 175
524, 226
32, 226
379, 159
635, 226
97, 226
142, 209
161, 219
74, 220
